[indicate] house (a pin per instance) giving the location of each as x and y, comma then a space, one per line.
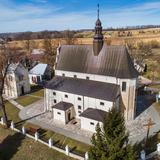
39, 73
16, 81
90, 80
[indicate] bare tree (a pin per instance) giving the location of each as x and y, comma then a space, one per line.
50, 47
7, 56
69, 37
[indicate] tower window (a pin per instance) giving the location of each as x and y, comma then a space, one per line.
79, 107
123, 86
91, 123
102, 103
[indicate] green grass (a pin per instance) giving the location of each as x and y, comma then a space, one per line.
39, 93
12, 112
63, 140
26, 100
155, 86
15, 146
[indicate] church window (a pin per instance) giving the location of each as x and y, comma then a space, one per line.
55, 101
91, 123
75, 76
79, 107
123, 86
79, 98
54, 93
102, 103
87, 78
66, 96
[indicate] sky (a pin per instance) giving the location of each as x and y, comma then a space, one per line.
38, 15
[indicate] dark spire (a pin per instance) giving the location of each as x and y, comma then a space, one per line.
98, 12
98, 37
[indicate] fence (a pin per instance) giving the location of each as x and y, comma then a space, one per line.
66, 150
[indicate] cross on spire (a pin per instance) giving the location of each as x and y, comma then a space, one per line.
98, 11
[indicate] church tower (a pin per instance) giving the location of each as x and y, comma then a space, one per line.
98, 37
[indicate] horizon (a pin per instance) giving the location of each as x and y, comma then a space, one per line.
40, 15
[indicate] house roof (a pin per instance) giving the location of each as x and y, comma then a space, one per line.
89, 88
39, 69
95, 114
63, 106
112, 61
18, 69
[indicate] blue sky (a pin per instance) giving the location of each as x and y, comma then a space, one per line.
36, 15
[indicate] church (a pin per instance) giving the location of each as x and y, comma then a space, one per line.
90, 80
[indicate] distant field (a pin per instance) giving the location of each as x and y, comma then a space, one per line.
137, 35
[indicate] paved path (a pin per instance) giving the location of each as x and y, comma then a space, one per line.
137, 131
35, 114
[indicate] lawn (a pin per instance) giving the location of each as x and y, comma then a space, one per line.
157, 86
26, 100
39, 93
12, 112
14, 146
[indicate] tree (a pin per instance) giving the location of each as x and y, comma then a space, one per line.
50, 47
7, 56
69, 37
110, 142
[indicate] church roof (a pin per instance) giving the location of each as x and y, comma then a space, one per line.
89, 88
63, 106
112, 61
95, 114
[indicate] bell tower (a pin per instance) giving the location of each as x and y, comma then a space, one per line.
98, 37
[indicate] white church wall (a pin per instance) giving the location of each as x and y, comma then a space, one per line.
94, 77
89, 124
79, 102
59, 115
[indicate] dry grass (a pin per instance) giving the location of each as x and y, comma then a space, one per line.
15, 146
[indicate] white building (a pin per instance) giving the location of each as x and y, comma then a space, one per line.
90, 80
39, 73
17, 81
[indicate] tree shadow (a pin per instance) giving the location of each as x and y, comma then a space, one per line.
20, 123
10, 145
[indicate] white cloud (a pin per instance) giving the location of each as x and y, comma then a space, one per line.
41, 17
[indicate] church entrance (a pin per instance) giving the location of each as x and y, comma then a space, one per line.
69, 115
22, 90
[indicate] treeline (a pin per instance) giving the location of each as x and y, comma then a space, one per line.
61, 34
37, 35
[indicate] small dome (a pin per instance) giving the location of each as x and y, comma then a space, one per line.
98, 22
